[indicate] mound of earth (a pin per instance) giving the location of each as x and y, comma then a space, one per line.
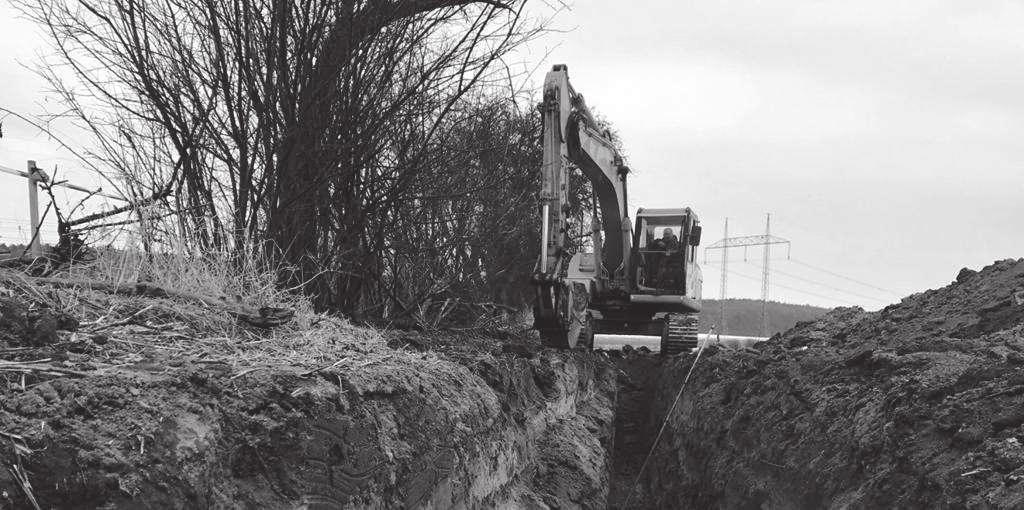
918, 405
93, 420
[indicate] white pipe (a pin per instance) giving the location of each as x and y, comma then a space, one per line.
609, 342
652, 342
715, 338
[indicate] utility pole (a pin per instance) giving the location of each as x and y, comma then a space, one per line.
35, 175
764, 276
725, 281
35, 247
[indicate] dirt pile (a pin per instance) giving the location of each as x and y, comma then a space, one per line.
85, 423
919, 405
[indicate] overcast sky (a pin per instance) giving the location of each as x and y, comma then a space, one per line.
883, 136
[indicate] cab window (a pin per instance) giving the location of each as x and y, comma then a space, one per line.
661, 236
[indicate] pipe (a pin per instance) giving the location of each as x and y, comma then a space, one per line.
614, 341
617, 341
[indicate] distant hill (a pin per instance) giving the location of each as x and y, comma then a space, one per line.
743, 316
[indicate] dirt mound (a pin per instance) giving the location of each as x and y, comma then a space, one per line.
919, 405
90, 420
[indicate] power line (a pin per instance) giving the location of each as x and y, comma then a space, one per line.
825, 285
63, 183
833, 241
837, 275
756, 279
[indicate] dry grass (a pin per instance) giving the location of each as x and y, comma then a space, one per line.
135, 328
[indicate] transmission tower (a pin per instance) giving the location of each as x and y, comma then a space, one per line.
765, 240
725, 281
764, 276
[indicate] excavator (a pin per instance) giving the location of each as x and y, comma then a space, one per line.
640, 279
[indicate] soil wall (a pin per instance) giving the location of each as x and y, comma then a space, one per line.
407, 430
919, 405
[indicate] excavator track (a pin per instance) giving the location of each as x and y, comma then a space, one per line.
680, 333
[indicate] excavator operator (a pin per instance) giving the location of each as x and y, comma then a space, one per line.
670, 267
653, 253
669, 240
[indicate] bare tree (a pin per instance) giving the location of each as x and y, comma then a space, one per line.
300, 128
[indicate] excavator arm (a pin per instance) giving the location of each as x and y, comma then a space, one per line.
595, 156
572, 137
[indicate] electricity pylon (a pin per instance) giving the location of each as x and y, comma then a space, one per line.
725, 281
765, 240
764, 276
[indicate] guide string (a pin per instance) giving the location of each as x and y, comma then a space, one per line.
664, 423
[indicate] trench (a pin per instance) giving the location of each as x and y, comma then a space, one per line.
635, 429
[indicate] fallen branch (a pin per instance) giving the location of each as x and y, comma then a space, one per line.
125, 322
13, 350
19, 474
45, 369
325, 367
263, 317
157, 195
243, 372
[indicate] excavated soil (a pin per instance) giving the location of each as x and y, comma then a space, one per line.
919, 405
471, 423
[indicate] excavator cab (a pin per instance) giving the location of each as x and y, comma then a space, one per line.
665, 243
660, 256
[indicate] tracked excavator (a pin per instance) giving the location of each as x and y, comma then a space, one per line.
641, 279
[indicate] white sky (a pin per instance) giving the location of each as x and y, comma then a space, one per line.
883, 136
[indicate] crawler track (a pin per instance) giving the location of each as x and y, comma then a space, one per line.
680, 334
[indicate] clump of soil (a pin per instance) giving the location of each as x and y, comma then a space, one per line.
919, 405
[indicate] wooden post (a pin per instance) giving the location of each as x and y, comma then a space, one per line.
36, 248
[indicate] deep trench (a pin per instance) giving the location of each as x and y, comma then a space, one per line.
635, 429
